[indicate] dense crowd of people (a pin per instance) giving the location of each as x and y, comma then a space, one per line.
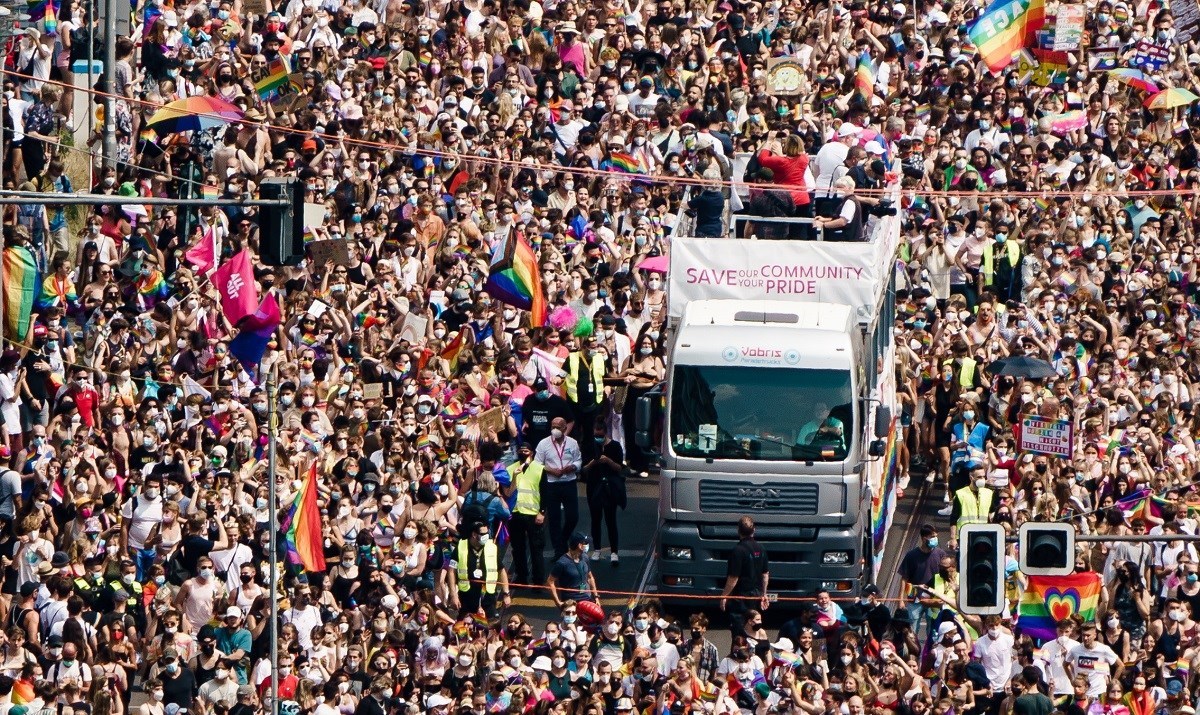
449, 436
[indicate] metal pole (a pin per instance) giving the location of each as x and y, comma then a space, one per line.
273, 529
25, 197
110, 80
90, 18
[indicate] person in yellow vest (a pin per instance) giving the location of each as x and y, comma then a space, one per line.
478, 579
973, 504
527, 528
584, 384
943, 584
1000, 267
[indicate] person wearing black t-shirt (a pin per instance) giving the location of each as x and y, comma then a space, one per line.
746, 578
539, 410
605, 487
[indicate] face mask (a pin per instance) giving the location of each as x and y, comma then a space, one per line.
556, 433
611, 629
932, 543
409, 533
968, 415
464, 660
206, 574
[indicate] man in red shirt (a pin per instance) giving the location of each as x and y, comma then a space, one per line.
87, 400
288, 682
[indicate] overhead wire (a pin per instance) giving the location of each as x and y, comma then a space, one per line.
658, 179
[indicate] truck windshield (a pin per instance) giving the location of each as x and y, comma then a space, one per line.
758, 413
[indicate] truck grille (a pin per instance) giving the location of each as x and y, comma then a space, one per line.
800, 499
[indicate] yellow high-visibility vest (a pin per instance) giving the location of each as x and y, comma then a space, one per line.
491, 567
974, 510
572, 378
529, 482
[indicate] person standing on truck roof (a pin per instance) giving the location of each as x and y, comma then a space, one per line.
747, 577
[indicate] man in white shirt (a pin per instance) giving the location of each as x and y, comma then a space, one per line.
139, 514
1095, 660
1055, 654
644, 100
831, 162
561, 460
230, 560
304, 616
994, 651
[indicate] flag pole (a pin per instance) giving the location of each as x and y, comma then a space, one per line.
273, 520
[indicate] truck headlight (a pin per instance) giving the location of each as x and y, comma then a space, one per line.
835, 558
682, 553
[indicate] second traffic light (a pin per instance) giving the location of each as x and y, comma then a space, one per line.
981, 570
1046, 549
281, 228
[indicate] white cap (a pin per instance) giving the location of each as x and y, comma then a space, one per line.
847, 130
541, 662
437, 700
783, 644
390, 601
946, 627
874, 147
233, 612
937, 17
899, 8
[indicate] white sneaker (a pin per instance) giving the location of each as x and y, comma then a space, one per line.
596, 555
930, 477
614, 558
946, 511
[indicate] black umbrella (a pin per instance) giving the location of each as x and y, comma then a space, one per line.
1023, 366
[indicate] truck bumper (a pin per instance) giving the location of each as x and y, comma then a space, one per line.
693, 559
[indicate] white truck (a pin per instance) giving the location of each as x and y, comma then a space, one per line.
779, 403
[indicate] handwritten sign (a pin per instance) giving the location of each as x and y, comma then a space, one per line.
413, 329
330, 250
1068, 27
785, 77
1149, 56
1187, 20
491, 420
1047, 436
372, 390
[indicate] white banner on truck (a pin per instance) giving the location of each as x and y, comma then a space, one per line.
802, 271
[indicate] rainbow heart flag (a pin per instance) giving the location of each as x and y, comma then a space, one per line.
1004, 28
1049, 599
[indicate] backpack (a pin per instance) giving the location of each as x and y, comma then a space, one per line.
475, 511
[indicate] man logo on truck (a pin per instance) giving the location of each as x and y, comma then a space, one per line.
758, 498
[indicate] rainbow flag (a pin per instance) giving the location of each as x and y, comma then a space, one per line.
302, 526
50, 18
150, 13
1049, 599
829, 95
20, 291
622, 162
514, 278
788, 659
1142, 504
864, 77
1067, 121
1042, 203
22, 692
453, 349
55, 292
461, 630
38, 10
277, 76
365, 321
1067, 282
922, 111
1004, 27
708, 693
153, 285
209, 192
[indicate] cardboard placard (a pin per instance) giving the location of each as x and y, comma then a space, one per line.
1187, 20
372, 390
254, 7
1101, 59
785, 77
492, 419
1046, 436
1068, 27
337, 251
414, 327
314, 215
1149, 56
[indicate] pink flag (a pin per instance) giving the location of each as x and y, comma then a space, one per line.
204, 254
235, 281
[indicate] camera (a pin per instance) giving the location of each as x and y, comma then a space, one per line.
884, 208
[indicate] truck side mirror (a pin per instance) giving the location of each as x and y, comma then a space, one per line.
883, 421
646, 419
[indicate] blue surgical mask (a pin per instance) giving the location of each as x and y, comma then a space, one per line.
932, 543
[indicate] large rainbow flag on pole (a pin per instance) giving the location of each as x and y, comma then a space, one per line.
864, 77
301, 525
1049, 599
1003, 29
21, 290
513, 278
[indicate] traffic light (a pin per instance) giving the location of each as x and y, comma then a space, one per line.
981, 570
281, 228
1046, 549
